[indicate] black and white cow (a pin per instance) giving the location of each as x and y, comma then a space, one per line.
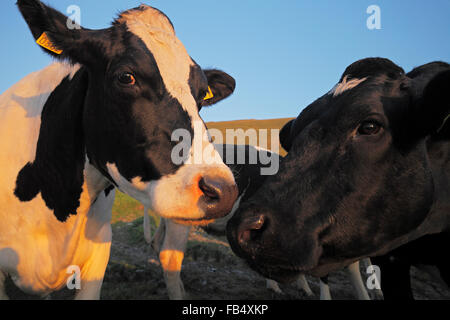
368, 170
101, 117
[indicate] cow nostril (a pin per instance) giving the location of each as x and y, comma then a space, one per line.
211, 191
251, 228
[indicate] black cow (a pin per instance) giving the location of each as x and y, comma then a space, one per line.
368, 170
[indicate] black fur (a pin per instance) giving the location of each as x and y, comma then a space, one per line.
341, 195
246, 169
285, 135
373, 67
108, 190
57, 171
247, 174
222, 85
396, 265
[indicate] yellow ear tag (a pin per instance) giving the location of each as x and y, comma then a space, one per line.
45, 42
209, 95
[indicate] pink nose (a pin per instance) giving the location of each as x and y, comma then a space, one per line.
249, 227
218, 196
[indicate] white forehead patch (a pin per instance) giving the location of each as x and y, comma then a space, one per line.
346, 85
174, 63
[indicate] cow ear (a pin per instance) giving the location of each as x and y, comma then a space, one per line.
221, 84
434, 105
285, 135
58, 35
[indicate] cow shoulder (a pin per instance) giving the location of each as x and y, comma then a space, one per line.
57, 171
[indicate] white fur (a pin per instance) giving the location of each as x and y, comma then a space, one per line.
174, 63
324, 291
357, 282
302, 284
178, 243
273, 285
171, 196
346, 85
147, 227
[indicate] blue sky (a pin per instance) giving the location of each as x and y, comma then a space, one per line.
283, 54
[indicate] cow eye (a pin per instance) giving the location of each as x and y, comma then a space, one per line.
127, 79
369, 127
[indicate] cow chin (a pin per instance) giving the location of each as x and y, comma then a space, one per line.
280, 273
190, 222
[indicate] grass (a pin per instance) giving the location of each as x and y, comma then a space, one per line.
128, 214
126, 209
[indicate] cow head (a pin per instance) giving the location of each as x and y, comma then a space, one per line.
136, 85
357, 177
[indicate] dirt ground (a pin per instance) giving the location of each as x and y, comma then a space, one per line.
210, 272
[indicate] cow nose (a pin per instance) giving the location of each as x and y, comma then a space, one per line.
250, 228
218, 196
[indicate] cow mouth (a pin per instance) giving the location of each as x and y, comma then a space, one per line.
194, 222
279, 273
270, 267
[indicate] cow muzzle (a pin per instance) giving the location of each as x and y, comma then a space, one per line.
217, 196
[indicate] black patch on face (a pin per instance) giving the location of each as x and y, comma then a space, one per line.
57, 171
137, 122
